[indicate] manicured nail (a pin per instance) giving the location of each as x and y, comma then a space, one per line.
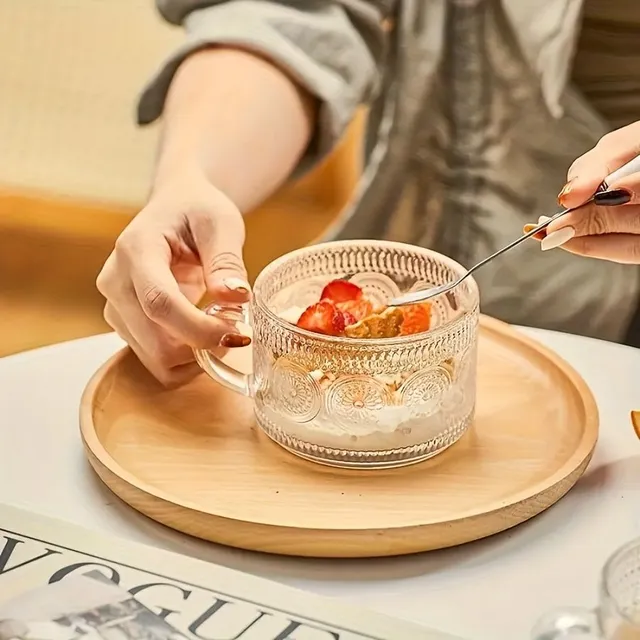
557, 238
612, 198
237, 284
565, 190
233, 340
530, 227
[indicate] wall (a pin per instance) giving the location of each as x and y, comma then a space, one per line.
69, 75
74, 168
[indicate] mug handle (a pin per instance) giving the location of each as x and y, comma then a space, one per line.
213, 366
572, 622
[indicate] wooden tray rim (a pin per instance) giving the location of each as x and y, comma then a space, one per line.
97, 452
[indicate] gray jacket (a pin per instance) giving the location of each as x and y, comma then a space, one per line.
473, 128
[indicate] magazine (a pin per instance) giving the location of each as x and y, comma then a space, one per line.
83, 606
195, 599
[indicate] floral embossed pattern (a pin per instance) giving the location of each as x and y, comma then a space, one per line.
355, 401
293, 392
424, 390
363, 403
377, 287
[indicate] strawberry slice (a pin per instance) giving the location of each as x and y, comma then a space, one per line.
417, 318
349, 319
322, 317
341, 291
358, 309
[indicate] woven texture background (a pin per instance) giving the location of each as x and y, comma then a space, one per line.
70, 73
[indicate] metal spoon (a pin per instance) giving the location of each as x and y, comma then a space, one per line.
633, 166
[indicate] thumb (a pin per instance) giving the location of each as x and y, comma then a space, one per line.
219, 239
589, 171
583, 179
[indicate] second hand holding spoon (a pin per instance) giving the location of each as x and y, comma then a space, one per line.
633, 166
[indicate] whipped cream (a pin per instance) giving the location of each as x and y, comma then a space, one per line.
395, 425
292, 314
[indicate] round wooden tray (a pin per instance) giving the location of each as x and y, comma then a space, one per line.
194, 460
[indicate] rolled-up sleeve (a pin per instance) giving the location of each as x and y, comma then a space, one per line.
332, 48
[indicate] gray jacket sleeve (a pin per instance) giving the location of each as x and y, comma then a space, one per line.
333, 48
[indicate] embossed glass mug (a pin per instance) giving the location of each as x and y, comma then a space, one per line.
617, 616
352, 402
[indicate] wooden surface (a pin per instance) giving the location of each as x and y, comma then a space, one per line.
193, 459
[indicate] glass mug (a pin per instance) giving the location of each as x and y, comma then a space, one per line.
353, 402
617, 616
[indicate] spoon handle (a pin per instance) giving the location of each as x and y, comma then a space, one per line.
633, 166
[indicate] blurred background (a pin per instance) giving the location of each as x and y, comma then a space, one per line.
74, 168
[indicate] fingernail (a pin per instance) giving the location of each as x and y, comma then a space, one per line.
557, 238
237, 284
530, 227
612, 198
565, 190
233, 340
536, 236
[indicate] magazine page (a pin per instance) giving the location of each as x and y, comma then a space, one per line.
198, 599
83, 606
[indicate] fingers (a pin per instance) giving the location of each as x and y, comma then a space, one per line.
594, 220
219, 241
611, 223
165, 350
146, 262
615, 247
616, 211
619, 247
170, 363
167, 356
160, 267
589, 170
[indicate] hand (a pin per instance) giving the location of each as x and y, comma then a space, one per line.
609, 228
187, 241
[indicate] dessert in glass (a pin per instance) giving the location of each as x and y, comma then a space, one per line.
340, 378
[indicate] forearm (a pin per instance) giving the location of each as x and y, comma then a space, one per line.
237, 119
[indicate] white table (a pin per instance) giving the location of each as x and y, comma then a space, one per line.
550, 561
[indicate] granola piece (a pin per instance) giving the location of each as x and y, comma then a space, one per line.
323, 378
378, 325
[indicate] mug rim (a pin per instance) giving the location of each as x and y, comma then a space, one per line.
344, 340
